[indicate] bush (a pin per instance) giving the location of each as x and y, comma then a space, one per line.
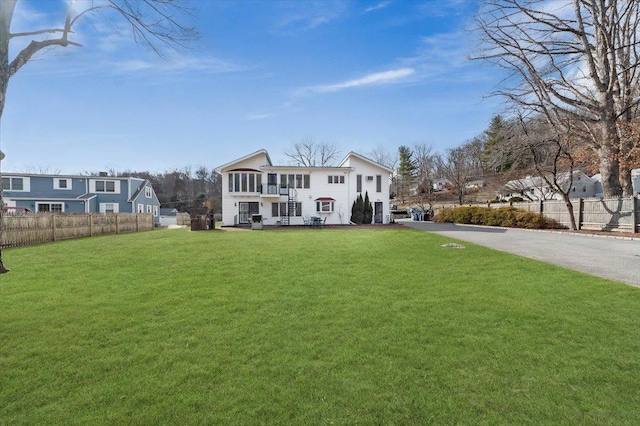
509, 217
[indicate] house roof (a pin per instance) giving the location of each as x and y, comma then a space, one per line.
168, 211
363, 158
246, 157
14, 174
539, 182
324, 199
138, 191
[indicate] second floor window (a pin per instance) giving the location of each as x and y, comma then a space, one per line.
14, 184
61, 183
105, 186
245, 182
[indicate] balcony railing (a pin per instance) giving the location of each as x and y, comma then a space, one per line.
274, 190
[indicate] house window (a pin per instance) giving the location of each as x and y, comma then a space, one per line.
140, 208
149, 209
15, 184
109, 207
245, 182
336, 179
61, 183
49, 207
306, 179
105, 186
287, 181
378, 183
155, 211
147, 191
358, 183
584, 188
280, 209
324, 206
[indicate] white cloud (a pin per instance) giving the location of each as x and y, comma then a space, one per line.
378, 6
309, 15
375, 79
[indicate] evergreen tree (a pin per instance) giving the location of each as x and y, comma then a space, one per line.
406, 171
367, 211
493, 153
357, 211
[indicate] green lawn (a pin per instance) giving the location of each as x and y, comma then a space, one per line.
332, 326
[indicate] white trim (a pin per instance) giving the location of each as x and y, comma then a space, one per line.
56, 184
103, 207
26, 184
116, 186
140, 208
48, 203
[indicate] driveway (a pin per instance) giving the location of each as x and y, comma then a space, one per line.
607, 257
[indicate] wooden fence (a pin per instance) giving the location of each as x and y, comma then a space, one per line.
616, 214
27, 229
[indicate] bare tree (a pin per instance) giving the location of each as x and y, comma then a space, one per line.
457, 165
577, 58
154, 23
551, 152
309, 153
426, 162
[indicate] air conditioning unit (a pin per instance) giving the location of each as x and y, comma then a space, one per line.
369, 177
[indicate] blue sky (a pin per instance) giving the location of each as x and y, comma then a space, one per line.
362, 75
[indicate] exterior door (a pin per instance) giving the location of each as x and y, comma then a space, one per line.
377, 218
246, 210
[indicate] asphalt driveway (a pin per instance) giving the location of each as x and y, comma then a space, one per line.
607, 257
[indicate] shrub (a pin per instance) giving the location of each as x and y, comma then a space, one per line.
509, 217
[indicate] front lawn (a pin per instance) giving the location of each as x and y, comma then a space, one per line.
330, 326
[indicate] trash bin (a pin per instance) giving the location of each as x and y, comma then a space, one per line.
256, 221
426, 216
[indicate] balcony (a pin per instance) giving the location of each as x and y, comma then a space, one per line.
274, 190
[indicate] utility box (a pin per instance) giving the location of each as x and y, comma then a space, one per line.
256, 221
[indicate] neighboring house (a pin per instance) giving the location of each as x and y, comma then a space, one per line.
285, 195
168, 217
635, 181
79, 194
475, 184
535, 188
440, 184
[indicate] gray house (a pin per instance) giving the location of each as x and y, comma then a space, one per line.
79, 194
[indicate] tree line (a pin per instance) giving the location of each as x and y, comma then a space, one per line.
184, 188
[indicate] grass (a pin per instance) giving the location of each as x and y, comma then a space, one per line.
310, 327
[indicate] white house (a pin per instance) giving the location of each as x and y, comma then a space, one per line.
635, 182
441, 184
291, 195
535, 188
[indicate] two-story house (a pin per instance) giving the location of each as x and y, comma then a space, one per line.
289, 195
79, 194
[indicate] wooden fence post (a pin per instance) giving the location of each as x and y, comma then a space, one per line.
541, 206
634, 214
117, 223
580, 213
53, 227
90, 225
137, 222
